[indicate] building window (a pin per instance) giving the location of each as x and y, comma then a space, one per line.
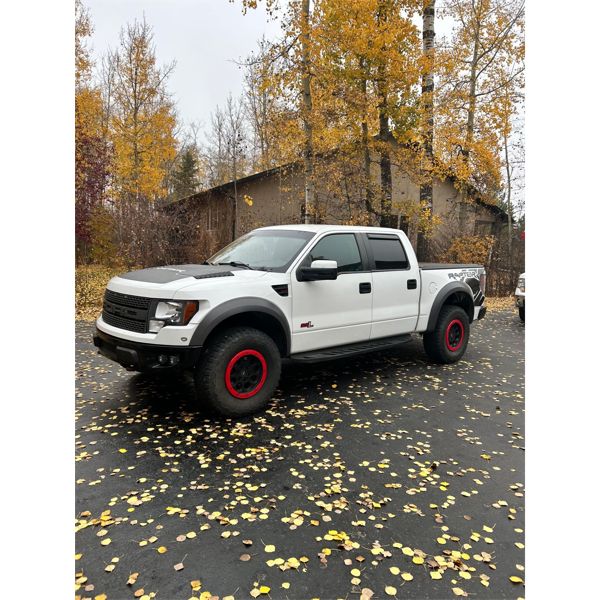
212, 217
483, 228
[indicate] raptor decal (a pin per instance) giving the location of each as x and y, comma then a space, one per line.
472, 277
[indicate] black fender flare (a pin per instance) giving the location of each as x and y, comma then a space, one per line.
239, 306
443, 295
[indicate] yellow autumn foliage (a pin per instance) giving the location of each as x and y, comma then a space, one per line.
90, 282
470, 249
142, 118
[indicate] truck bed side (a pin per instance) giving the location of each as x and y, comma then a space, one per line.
438, 281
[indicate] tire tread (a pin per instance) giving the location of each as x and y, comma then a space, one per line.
434, 341
206, 387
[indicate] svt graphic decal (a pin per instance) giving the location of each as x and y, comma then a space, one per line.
306, 325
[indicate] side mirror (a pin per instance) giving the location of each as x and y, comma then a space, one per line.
319, 270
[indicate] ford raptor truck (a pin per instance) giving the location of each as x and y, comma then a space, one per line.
293, 293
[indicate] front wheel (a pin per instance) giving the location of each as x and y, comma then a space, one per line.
240, 371
448, 341
522, 313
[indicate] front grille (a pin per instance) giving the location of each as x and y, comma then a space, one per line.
124, 323
125, 311
126, 299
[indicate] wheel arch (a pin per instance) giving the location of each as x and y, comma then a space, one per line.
456, 293
250, 312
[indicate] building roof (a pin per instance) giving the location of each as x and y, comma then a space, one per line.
472, 191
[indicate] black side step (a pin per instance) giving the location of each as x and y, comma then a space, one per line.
350, 349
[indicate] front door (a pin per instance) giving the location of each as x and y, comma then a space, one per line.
336, 312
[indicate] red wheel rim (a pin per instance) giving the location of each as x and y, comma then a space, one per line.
455, 334
245, 374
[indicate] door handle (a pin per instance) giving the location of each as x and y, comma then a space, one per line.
411, 284
364, 288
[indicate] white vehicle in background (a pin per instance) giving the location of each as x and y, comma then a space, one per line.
299, 293
520, 296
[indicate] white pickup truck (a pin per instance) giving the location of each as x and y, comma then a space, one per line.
303, 293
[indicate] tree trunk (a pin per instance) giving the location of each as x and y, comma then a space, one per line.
508, 201
385, 171
366, 147
387, 219
367, 169
307, 109
235, 201
427, 89
472, 101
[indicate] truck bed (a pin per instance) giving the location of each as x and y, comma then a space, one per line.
438, 266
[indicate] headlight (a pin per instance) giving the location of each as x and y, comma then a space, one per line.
172, 312
521, 284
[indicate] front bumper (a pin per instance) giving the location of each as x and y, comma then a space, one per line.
135, 356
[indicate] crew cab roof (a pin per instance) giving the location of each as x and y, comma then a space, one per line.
331, 228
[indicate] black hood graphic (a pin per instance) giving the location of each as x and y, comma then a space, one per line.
175, 272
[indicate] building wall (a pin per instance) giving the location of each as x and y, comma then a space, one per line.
272, 200
277, 198
206, 226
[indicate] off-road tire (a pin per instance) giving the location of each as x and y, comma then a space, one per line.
239, 371
448, 341
522, 313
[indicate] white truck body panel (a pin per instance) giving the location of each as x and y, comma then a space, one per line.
319, 314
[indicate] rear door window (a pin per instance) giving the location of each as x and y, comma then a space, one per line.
388, 253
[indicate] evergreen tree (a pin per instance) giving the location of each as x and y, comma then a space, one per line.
185, 176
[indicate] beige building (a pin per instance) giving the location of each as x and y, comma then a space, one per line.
276, 196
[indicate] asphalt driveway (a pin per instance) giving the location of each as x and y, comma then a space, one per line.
376, 477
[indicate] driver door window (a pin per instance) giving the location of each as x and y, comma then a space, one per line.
342, 248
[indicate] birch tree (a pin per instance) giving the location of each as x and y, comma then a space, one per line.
427, 126
482, 63
143, 120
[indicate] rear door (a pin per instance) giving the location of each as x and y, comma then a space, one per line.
395, 286
336, 312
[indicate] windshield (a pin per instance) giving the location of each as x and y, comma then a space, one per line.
266, 250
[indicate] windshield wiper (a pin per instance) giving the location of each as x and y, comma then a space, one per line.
235, 263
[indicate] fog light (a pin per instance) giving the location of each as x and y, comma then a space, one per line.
163, 359
173, 360
154, 325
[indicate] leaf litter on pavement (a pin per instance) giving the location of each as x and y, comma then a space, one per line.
380, 476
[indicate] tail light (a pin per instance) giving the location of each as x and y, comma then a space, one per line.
482, 282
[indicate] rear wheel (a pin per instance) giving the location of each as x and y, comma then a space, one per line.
448, 341
522, 313
240, 371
